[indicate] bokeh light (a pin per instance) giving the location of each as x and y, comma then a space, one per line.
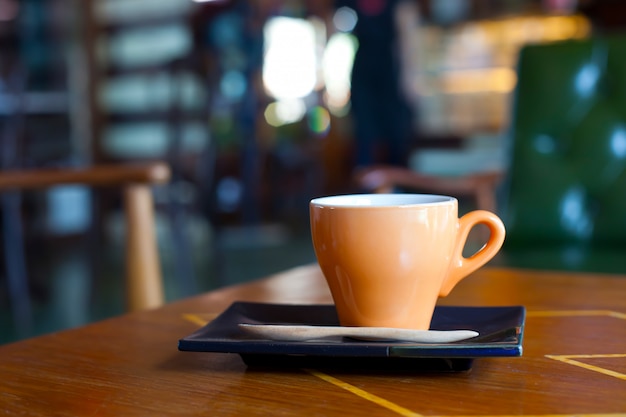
233, 85
283, 112
290, 64
319, 120
337, 67
345, 19
9, 9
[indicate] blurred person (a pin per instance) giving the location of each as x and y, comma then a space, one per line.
383, 118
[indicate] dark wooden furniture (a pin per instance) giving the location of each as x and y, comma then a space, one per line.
143, 269
480, 187
574, 360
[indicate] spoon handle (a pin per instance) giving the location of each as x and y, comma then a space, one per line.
303, 333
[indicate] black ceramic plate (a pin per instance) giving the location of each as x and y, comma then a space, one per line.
500, 334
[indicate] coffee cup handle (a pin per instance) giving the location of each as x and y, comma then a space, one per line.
462, 266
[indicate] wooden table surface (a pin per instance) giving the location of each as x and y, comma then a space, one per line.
574, 360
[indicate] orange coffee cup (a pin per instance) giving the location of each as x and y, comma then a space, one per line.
387, 258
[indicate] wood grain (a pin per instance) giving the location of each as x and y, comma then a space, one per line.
98, 175
130, 365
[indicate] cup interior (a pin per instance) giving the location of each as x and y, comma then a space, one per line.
382, 200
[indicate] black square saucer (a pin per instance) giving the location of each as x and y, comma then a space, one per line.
500, 335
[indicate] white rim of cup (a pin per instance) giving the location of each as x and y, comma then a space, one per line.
382, 200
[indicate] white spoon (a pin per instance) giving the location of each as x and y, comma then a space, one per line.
297, 333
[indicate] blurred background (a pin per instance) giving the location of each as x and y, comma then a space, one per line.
255, 107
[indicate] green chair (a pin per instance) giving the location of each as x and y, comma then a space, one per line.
563, 197
564, 200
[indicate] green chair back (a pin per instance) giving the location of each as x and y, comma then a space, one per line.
564, 202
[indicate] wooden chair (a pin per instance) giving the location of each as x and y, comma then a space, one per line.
144, 288
480, 187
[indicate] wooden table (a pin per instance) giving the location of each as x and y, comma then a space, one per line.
574, 360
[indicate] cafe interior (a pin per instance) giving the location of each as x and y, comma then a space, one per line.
249, 110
